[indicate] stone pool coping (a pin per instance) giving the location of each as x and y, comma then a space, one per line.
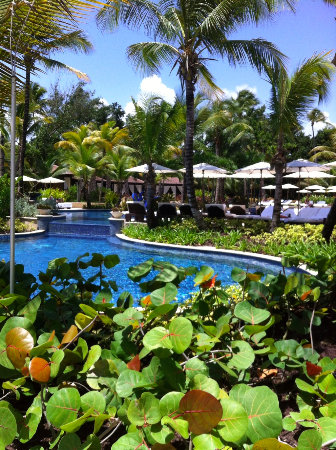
6, 237
203, 248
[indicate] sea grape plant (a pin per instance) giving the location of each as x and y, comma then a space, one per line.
151, 373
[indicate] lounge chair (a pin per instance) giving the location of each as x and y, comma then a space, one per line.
321, 203
64, 205
238, 210
136, 210
166, 211
215, 212
185, 210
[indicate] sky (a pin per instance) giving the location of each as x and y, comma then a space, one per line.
298, 35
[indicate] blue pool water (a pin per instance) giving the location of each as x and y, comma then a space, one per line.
87, 217
35, 253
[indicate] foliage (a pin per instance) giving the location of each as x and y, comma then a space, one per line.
4, 196
111, 198
24, 209
251, 236
54, 193
48, 203
19, 227
85, 369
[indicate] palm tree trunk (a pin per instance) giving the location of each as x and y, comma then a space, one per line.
189, 154
2, 155
279, 166
87, 194
330, 223
151, 221
23, 146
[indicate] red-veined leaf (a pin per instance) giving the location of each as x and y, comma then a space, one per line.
134, 364
25, 371
313, 369
69, 335
19, 342
306, 294
39, 369
201, 410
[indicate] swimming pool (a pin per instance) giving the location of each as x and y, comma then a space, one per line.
35, 253
86, 217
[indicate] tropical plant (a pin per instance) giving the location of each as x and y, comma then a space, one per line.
325, 152
118, 162
24, 209
151, 129
83, 155
291, 98
191, 33
315, 116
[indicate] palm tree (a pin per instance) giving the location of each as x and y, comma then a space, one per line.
151, 130
291, 98
83, 156
324, 151
220, 123
118, 161
192, 32
315, 116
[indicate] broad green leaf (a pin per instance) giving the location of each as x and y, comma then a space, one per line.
164, 295
327, 427
201, 410
180, 334
40, 349
74, 426
69, 442
127, 381
88, 310
204, 383
262, 408
238, 392
8, 427
157, 337
63, 407
250, 314
111, 261
136, 273
130, 441
179, 425
104, 297
55, 362
153, 373
91, 443
238, 275
327, 384
28, 427
174, 374
288, 424
144, 410
160, 311
292, 282
211, 441
99, 420
129, 317
234, 422
306, 387
82, 321
93, 356
258, 291
253, 329
203, 275
169, 403
94, 400
195, 367
310, 440
30, 310
243, 355
168, 272
162, 433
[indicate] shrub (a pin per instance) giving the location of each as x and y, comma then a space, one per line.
99, 371
24, 209
19, 227
54, 193
4, 196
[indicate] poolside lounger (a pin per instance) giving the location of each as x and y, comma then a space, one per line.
136, 210
64, 205
321, 202
185, 210
167, 211
238, 210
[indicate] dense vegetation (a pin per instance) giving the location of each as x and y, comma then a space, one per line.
231, 368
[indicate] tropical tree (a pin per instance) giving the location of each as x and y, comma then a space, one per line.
326, 152
219, 124
191, 33
117, 163
83, 155
315, 116
151, 130
291, 99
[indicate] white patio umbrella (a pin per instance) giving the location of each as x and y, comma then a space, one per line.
157, 168
331, 164
304, 191
270, 186
203, 169
331, 189
314, 187
288, 186
309, 175
321, 191
25, 178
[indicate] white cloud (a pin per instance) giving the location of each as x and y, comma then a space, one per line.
152, 86
317, 126
104, 101
242, 87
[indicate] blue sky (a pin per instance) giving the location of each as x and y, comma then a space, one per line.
310, 30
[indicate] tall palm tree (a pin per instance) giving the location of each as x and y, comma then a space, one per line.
83, 155
39, 53
151, 129
220, 123
192, 32
326, 152
315, 116
117, 163
291, 99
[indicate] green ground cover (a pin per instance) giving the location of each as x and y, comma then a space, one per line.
249, 236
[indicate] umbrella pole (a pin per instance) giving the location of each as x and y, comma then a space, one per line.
12, 187
203, 199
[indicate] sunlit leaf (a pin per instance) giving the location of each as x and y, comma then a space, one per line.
39, 369
19, 342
